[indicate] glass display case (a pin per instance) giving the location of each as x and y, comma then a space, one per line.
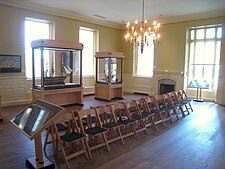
109, 75
57, 75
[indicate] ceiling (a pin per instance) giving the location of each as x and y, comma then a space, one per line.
116, 13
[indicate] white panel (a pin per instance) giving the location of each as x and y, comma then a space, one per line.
9, 83
9, 93
20, 92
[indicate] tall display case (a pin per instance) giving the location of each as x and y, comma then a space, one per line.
58, 79
109, 75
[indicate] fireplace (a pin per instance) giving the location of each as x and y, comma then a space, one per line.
166, 86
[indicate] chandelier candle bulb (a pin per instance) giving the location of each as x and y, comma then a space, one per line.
141, 34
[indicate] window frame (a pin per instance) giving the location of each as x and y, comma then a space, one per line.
204, 40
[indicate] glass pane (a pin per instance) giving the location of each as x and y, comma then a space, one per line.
145, 61
191, 60
34, 30
210, 33
198, 72
208, 70
219, 32
209, 52
192, 34
216, 77
200, 33
199, 53
218, 51
87, 38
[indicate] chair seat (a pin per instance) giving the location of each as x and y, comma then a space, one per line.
111, 124
95, 130
138, 117
72, 136
61, 127
127, 121
147, 113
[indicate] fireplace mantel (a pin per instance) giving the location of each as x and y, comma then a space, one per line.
178, 77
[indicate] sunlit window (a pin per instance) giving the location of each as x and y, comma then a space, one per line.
144, 61
89, 39
35, 29
204, 54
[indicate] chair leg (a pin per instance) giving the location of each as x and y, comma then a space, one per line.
120, 135
87, 148
153, 122
106, 142
134, 131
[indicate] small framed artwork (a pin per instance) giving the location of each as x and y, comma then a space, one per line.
10, 63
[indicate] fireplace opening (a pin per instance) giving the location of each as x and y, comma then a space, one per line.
166, 88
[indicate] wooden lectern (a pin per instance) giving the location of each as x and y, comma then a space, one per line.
32, 121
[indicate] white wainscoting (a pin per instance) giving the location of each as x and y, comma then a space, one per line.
13, 91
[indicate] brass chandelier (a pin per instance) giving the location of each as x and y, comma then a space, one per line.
139, 34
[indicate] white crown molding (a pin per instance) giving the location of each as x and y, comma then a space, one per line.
192, 17
61, 13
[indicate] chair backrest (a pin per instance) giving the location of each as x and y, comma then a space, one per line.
140, 104
149, 103
184, 94
174, 97
105, 114
131, 108
70, 120
89, 118
159, 101
168, 100
119, 110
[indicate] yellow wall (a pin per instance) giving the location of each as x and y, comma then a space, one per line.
12, 32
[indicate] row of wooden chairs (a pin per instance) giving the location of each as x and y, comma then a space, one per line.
82, 131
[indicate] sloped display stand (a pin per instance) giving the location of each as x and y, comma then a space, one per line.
199, 85
32, 122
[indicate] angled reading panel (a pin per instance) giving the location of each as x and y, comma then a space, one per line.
36, 118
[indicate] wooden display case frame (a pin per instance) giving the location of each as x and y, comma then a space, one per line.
109, 91
58, 96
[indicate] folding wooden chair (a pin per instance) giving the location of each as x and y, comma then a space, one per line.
160, 107
185, 100
109, 122
150, 105
145, 111
181, 107
62, 128
123, 117
135, 114
93, 128
73, 143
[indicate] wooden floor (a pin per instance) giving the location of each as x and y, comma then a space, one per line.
194, 142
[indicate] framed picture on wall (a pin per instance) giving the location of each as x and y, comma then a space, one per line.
10, 63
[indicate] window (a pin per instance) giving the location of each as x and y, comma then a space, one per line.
89, 39
204, 45
144, 62
35, 29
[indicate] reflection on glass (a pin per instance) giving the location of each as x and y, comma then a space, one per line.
109, 70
